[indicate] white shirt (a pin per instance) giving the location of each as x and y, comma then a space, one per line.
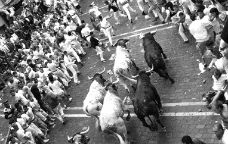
67, 61
19, 96
56, 87
52, 66
206, 11
188, 3
219, 83
30, 113
222, 64
198, 29
48, 2
105, 24
57, 26
85, 31
95, 11
32, 74
225, 137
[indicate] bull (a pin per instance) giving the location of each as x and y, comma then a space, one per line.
147, 101
111, 115
79, 137
154, 55
124, 67
94, 99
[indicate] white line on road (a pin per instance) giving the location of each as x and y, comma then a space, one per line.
177, 114
152, 31
139, 30
171, 114
164, 105
180, 104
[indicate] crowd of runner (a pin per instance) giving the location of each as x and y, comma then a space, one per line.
48, 39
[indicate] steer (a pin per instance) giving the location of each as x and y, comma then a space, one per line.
79, 137
154, 55
94, 99
147, 101
124, 66
111, 115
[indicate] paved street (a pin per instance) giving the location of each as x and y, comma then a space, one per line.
184, 113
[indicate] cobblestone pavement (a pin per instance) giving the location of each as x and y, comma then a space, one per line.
189, 116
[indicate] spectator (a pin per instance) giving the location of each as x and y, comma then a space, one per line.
124, 4
155, 9
114, 10
224, 37
184, 21
219, 80
202, 31
106, 28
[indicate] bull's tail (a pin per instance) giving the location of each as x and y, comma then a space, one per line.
97, 123
120, 138
86, 110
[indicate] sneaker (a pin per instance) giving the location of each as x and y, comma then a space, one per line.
131, 21
52, 119
147, 17
156, 18
77, 82
52, 126
78, 73
187, 41
64, 122
103, 60
46, 140
143, 13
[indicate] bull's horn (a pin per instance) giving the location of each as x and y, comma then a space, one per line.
141, 35
90, 77
102, 71
69, 138
154, 32
152, 68
85, 131
115, 81
135, 76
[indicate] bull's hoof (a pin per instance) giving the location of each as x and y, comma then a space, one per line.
164, 56
164, 129
128, 118
172, 81
161, 111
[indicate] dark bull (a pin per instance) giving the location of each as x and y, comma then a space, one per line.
155, 56
147, 101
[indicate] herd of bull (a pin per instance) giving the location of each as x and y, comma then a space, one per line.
104, 103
